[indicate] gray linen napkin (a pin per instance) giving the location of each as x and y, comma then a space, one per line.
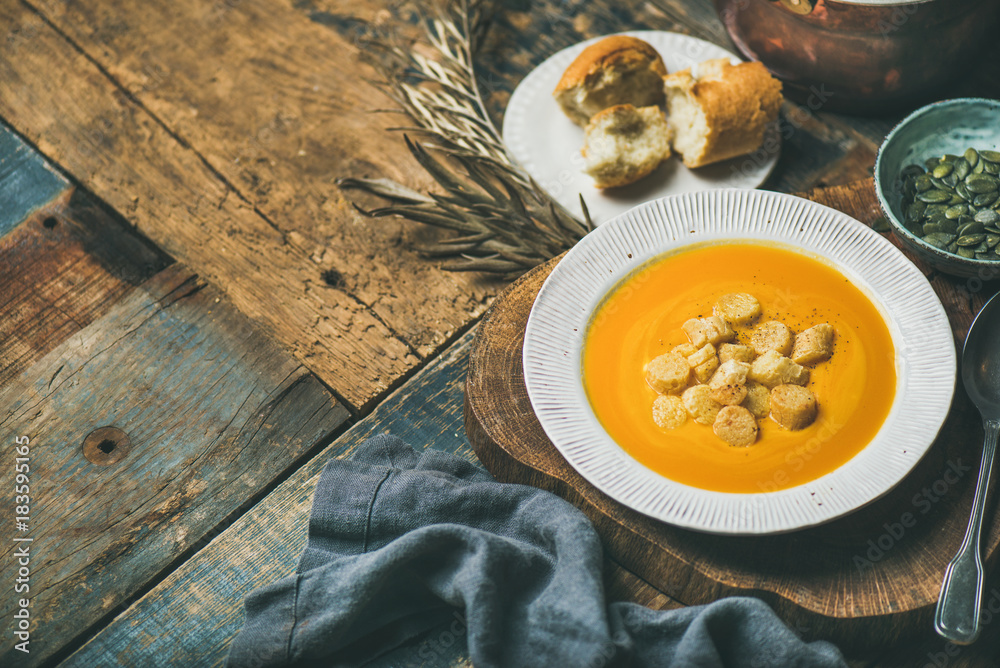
400, 540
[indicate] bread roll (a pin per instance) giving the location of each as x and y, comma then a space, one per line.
624, 144
616, 70
720, 112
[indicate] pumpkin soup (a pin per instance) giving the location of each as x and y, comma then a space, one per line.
659, 316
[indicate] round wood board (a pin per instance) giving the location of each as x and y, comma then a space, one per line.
863, 581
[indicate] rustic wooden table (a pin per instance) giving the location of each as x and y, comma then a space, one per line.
177, 263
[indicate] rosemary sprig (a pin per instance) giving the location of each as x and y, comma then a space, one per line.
504, 222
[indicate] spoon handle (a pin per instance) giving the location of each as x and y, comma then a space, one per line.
957, 617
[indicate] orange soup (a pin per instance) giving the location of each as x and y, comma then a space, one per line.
642, 319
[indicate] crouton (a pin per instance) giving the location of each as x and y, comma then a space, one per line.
700, 405
669, 411
729, 383
685, 349
813, 345
712, 329
736, 426
772, 368
703, 362
737, 308
667, 373
758, 400
735, 351
793, 407
771, 335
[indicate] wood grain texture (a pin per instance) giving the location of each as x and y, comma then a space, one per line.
98, 132
27, 182
307, 119
853, 580
214, 412
193, 615
62, 268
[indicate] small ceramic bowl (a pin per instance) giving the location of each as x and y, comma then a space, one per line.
950, 126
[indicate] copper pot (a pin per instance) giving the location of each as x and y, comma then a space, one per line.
861, 55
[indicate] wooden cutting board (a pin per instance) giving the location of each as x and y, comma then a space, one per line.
864, 581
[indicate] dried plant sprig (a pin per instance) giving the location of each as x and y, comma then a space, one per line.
505, 222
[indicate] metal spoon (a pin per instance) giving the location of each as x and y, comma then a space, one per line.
957, 617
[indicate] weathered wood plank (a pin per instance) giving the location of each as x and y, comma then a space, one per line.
69, 107
62, 268
309, 123
27, 182
192, 616
214, 412
196, 611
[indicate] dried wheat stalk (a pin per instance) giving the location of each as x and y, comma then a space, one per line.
504, 222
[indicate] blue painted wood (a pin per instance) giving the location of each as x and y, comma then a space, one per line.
192, 616
27, 182
61, 268
215, 412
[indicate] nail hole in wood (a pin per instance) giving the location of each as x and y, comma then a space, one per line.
50, 222
106, 445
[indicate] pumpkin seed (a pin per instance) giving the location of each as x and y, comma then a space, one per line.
953, 203
987, 217
954, 212
949, 226
970, 239
961, 168
936, 195
980, 183
881, 224
916, 210
943, 170
939, 240
985, 199
971, 228
984, 255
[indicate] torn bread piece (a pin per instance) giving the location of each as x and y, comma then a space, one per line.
615, 70
624, 143
720, 110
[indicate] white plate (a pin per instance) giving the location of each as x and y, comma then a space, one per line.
921, 334
547, 144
